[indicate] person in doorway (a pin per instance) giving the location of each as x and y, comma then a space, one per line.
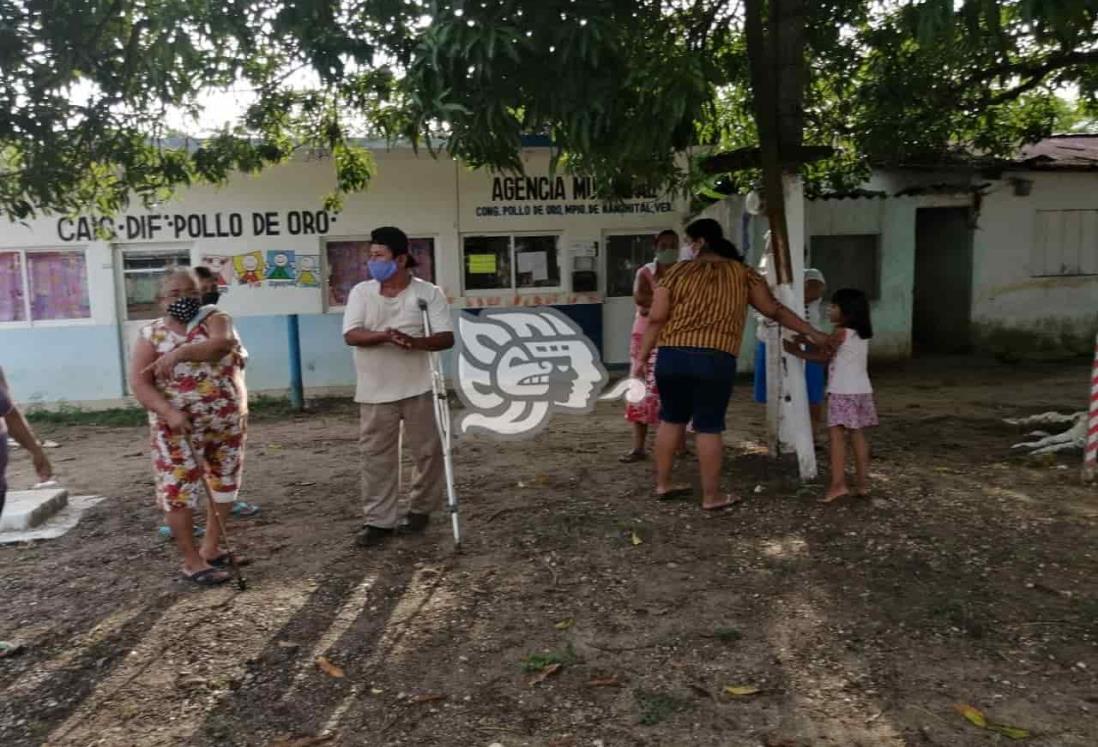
814, 374
384, 325
850, 405
647, 412
190, 380
12, 421
697, 319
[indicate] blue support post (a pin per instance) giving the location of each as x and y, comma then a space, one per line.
297, 389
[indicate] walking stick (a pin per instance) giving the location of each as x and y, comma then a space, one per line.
442, 421
241, 582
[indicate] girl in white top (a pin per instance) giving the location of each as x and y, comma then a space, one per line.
850, 406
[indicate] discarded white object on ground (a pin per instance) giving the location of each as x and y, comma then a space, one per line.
57, 525
1073, 438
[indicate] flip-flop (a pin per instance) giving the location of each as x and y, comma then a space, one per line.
208, 577
244, 509
9, 649
222, 560
633, 456
166, 532
673, 493
732, 500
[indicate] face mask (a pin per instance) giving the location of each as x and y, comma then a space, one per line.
667, 256
382, 269
210, 299
184, 309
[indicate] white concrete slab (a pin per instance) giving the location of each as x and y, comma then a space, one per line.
58, 524
26, 509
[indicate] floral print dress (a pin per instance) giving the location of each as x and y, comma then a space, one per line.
213, 396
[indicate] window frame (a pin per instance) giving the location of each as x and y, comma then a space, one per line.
326, 269
878, 253
1033, 273
513, 288
122, 249
605, 251
24, 268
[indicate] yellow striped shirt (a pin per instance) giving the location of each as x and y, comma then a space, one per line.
708, 304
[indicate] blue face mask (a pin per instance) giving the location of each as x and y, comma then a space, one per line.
382, 269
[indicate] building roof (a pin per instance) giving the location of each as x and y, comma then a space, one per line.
1067, 152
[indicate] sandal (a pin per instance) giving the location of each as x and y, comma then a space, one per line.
208, 577
731, 499
9, 649
635, 455
166, 531
681, 491
222, 560
244, 509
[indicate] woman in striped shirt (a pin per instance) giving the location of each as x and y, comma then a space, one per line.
697, 319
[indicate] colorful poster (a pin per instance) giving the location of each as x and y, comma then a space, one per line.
221, 267
308, 269
482, 264
249, 269
281, 267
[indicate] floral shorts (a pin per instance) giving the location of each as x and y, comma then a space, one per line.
853, 411
220, 441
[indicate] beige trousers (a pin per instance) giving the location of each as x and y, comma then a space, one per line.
379, 428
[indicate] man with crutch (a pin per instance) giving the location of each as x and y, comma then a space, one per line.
385, 325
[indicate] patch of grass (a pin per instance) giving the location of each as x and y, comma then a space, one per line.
540, 662
727, 635
119, 417
656, 707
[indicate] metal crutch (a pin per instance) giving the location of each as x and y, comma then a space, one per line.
241, 582
442, 421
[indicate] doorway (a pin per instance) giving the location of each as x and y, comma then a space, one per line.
942, 309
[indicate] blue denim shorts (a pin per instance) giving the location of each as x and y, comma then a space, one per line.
695, 384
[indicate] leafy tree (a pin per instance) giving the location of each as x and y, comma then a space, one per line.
622, 87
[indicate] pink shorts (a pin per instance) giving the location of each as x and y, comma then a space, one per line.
853, 411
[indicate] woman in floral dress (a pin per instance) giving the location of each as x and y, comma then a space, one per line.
188, 376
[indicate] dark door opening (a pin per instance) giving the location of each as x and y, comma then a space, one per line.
942, 313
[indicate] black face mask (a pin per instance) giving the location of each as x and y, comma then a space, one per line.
210, 299
184, 309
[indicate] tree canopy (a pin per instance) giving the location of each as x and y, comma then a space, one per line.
621, 87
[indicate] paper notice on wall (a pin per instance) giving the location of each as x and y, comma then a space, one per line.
585, 249
482, 264
535, 263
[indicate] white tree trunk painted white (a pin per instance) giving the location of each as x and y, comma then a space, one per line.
790, 406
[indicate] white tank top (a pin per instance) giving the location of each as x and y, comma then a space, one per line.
848, 372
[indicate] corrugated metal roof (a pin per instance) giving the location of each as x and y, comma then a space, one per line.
1061, 152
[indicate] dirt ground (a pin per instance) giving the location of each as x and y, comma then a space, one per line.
970, 578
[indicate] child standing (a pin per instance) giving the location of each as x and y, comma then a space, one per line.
850, 406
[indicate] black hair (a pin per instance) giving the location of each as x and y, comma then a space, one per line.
203, 272
392, 237
854, 310
705, 228
666, 232
726, 249
395, 239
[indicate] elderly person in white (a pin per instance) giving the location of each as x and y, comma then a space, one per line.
384, 325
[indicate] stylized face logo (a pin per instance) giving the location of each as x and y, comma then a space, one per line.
281, 260
307, 263
251, 263
515, 368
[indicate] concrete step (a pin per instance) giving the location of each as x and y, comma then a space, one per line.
26, 509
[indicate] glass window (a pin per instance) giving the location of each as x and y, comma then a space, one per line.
142, 271
536, 262
58, 285
487, 262
624, 256
54, 286
13, 301
347, 265
850, 261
